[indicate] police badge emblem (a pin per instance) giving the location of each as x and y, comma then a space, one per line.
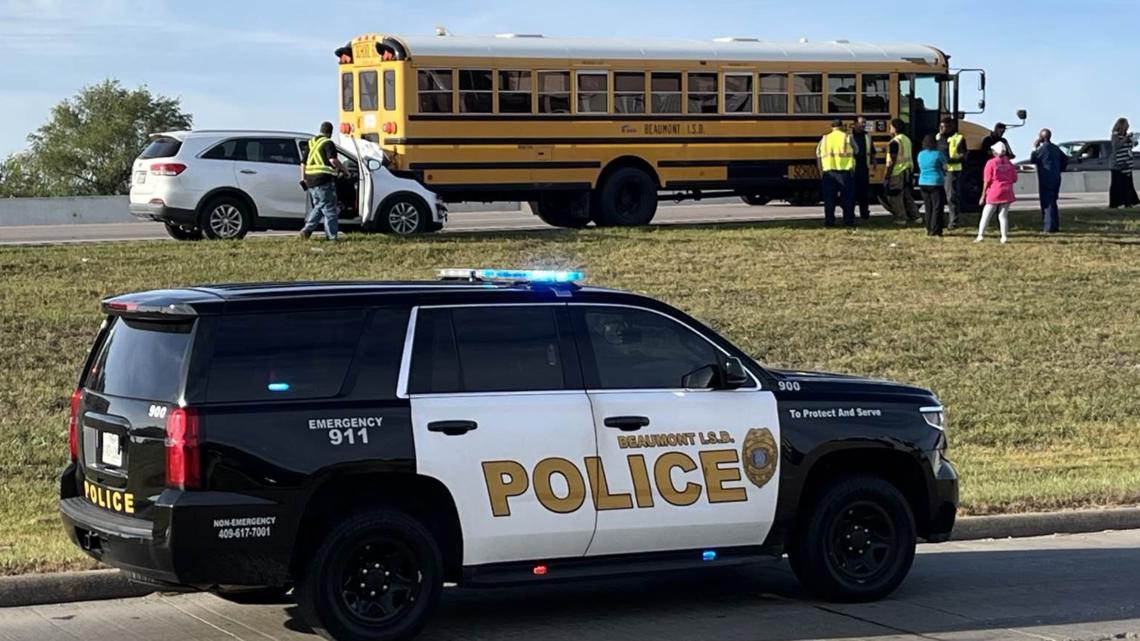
759, 454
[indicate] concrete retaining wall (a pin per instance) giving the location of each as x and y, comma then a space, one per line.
113, 209
1077, 182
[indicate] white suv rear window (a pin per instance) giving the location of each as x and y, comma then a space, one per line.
162, 147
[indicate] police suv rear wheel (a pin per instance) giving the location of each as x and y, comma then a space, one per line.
375, 577
858, 542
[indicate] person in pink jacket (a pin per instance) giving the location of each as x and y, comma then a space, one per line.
997, 191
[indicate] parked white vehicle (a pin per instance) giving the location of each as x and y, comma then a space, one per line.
224, 184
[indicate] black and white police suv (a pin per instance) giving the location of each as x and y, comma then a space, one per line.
364, 443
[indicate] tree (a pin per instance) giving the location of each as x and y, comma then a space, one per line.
90, 142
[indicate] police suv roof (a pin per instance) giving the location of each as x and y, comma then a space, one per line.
278, 296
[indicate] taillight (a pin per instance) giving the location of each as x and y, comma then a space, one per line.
73, 424
388, 127
183, 462
167, 168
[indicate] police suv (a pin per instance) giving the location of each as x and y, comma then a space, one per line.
364, 443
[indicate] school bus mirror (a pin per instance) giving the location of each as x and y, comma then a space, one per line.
982, 104
1022, 114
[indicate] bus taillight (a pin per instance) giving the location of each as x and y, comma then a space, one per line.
388, 128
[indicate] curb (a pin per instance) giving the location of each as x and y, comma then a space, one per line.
95, 585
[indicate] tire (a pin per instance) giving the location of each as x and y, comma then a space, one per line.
226, 218
178, 232
756, 200
558, 214
255, 596
628, 198
403, 215
804, 199
363, 546
853, 506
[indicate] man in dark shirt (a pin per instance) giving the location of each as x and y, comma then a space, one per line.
1050, 162
864, 162
996, 136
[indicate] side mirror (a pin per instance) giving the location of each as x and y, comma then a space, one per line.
1022, 114
981, 82
373, 164
734, 373
705, 377
982, 104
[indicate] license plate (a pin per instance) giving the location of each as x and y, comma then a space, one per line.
140, 177
111, 452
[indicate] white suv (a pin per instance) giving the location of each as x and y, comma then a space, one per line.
224, 184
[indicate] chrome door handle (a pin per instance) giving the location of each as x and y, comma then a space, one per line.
248, 171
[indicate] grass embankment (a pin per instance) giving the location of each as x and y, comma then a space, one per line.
1034, 347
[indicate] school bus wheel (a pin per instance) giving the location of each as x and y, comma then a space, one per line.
756, 200
627, 198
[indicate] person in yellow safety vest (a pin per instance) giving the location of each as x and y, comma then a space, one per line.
864, 165
897, 184
953, 144
318, 179
836, 161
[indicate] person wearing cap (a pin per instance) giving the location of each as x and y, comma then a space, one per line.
994, 137
835, 158
864, 162
897, 184
318, 179
997, 191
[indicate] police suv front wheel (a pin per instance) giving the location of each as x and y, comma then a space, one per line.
375, 577
857, 543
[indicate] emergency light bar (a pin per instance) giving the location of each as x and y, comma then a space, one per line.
514, 275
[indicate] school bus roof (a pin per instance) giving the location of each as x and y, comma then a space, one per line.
726, 49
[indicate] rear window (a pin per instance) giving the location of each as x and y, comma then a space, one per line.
142, 359
369, 91
162, 147
299, 355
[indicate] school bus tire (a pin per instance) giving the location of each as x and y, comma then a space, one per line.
557, 214
627, 198
755, 200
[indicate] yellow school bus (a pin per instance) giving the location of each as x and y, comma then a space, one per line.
600, 129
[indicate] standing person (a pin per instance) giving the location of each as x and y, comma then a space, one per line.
994, 137
953, 145
931, 177
319, 177
997, 191
900, 162
1122, 192
864, 162
836, 161
1050, 162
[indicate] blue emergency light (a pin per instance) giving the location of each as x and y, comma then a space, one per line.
518, 275
708, 555
278, 387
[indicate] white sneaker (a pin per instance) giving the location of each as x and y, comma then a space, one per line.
978, 239
1004, 240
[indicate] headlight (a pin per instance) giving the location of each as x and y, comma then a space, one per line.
934, 416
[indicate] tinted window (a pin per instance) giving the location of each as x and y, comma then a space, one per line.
389, 90
475, 91
142, 359
346, 92
809, 93
381, 349
840, 93
260, 357
636, 349
369, 91
487, 349
876, 93
514, 92
161, 147
435, 90
269, 150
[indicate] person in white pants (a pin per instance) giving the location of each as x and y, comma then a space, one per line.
997, 191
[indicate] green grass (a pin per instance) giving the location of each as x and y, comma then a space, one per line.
1034, 347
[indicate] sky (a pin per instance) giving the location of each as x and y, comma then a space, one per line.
264, 64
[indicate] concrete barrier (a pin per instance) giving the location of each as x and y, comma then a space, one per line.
113, 209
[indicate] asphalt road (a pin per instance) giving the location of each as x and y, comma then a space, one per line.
718, 211
1079, 587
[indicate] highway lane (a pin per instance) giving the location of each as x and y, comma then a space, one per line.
1079, 587
688, 213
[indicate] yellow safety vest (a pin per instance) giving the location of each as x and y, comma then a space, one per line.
315, 163
836, 153
905, 160
954, 142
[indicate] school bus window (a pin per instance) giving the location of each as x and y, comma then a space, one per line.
738, 93
554, 92
808, 90
514, 92
389, 90
876, 93
840, 93
703, 93
665, 92
629, 92
773, 93
435, 87
475, 91
593, 92
369, 91
346, 92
